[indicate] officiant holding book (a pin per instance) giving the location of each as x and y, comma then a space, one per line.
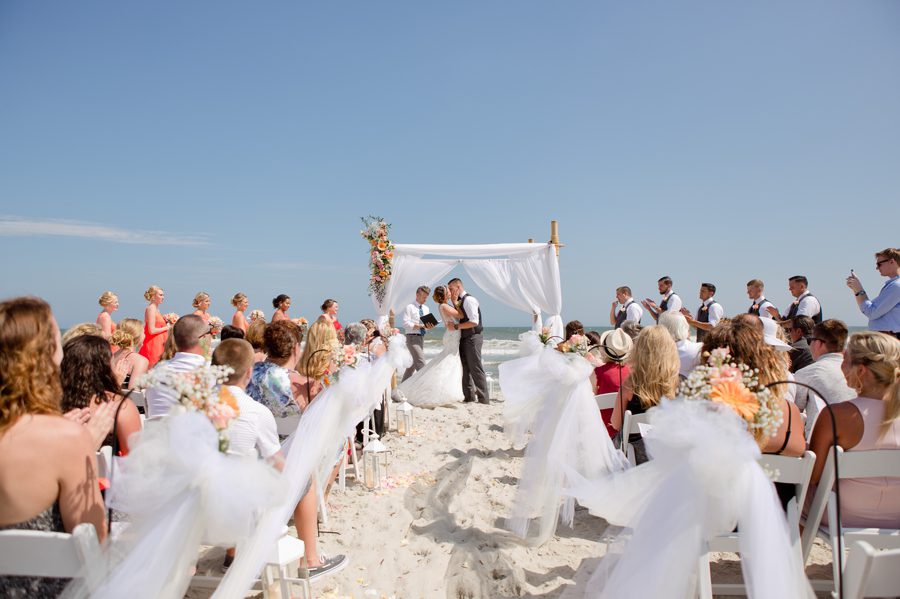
415, 324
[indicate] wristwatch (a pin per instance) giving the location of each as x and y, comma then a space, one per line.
860, 292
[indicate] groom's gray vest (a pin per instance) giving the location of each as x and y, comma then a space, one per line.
474, 330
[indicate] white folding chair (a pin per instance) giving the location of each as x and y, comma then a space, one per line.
606, 401
871, 573
104, 462
342, 473
137, 398
783, 469
876, 463
285, 557
286, 425
630, 424
52, 554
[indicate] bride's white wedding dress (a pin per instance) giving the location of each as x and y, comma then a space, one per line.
439, 383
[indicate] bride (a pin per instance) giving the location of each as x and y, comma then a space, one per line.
440, 382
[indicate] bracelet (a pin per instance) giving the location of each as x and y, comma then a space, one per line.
860, 292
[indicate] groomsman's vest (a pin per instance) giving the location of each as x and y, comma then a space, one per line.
622, 315
817, 318
474, 330
703, 316
665, 303
755, 311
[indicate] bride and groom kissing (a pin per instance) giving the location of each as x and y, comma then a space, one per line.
456, 374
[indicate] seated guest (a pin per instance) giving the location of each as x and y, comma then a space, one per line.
869, 421
800, 328
88, 382
355, 334
109, 301
824, 375
804, 304
688, 351
128, 365
256, 337
573, 327
653, 365
743, 336
84, 328
316, 361
709, 313
614, 345
254, 433
231, 332
631, 328
883, 311
48, 464
760, 306
240, 303
188, 356
624, 308
274, 383
374, 344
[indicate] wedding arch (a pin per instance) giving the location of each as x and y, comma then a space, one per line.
524, 276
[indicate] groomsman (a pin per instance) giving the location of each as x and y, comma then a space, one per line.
624, 308
760, 306
804, 304
709, 313
415, 330
670, 300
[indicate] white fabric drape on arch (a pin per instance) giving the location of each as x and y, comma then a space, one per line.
524, 276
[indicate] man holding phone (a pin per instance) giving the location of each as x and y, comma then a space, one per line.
883, 311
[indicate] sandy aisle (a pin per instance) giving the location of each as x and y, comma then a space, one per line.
436, 529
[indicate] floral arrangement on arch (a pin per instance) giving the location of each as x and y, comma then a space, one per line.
381, 254
721, 380
200, 390
577, 344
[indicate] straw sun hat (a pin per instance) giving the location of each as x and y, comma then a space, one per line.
615, 345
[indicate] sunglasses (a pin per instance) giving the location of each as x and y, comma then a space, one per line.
880, 262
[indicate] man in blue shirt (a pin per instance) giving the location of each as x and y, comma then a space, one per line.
883, 312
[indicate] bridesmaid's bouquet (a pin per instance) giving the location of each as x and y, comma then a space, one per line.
216, 324
257, 315
200, 390
723, 381
171, 318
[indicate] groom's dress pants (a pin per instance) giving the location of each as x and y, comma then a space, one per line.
474, 383
416, 346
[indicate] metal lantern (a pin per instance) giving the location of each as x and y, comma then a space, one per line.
404, 418
490, 382
374, 453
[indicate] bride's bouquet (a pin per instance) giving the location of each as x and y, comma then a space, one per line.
200, 390
725, 382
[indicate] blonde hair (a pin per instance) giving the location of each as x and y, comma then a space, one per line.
128, 332
237, 299
880, 353
79, 330
256, 334
236, 353
169, 349
199, 298
29, 377
316, 356
654, 365
107, 298
889, 254
151, 291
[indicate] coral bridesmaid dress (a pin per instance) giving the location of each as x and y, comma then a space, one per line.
154, 344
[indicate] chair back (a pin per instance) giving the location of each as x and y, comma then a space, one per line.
50, 554
137, 397
630, 424
791, 470
606, 401
871, 573
286, 425
104, 462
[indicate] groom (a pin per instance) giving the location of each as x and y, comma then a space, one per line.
473, 380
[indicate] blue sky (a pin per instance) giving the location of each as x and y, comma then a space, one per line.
226, 146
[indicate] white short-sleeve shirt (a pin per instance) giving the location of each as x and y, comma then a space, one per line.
253, 432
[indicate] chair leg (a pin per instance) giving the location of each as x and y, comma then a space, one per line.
285, 585
704, 580
354, 461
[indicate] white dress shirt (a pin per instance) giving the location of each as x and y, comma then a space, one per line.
825, 375
160, 399
763, 304
688, 355
253, 433
716, 311
470, 307
807, 305
634, 311
412, 324
674, 302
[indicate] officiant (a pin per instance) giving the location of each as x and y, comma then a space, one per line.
415, 329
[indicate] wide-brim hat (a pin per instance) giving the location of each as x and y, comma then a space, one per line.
770, 333
615, 345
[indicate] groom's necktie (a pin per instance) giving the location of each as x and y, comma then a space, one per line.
421, 314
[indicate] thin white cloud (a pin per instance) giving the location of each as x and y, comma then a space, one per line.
30, 227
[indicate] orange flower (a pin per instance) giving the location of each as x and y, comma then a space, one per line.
737, 397
373, 242
382, 246
383, 273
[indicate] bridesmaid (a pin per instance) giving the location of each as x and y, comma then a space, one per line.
156, 330
282, 304
109, 301
241, 303
201, 304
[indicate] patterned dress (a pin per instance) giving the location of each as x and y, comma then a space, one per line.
15, 587
270, 385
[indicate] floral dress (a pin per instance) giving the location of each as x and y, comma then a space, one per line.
270, 385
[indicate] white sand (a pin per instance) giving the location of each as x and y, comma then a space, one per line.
439, 531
